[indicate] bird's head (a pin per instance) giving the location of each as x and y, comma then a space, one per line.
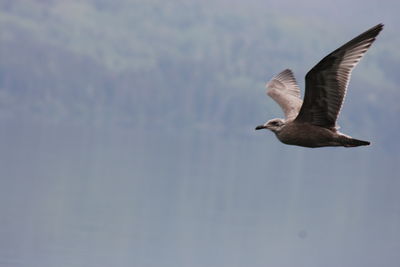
274, 125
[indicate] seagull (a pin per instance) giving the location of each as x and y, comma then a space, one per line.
312, 122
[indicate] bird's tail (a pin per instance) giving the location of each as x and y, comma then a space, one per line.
351, 142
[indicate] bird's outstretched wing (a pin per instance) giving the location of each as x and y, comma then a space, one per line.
326, 82
284, 90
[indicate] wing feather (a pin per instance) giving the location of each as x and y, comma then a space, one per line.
284, 90
327, 82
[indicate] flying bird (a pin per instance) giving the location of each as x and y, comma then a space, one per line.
312, 122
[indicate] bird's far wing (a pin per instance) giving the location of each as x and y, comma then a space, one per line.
326, 82
284, 90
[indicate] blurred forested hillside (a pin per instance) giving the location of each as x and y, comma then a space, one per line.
178, 65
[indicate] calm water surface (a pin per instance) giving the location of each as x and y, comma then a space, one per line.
79, 196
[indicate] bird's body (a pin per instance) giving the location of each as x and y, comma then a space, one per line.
312, 122
308, 135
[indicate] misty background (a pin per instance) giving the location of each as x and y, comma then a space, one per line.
127, 136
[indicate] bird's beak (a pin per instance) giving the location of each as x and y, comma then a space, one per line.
260, 127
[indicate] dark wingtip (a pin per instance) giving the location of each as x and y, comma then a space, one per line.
370, 33
376, 29
380, 26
